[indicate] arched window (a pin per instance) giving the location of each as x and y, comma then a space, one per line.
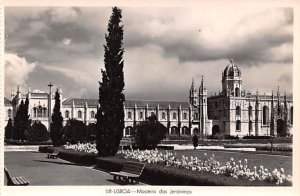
141, 115
238, 125
184, 116
186, 131
67, 114
163, 115
250, 111
129, 115
195, 116
45, 112
174, 130
237, 92
39, 112
250, 126
238, 111
174, 116
9, 113
92, 114
265, 115
79, 114
128, 131
292, 115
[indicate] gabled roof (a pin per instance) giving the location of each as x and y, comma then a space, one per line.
81, 102
7, 102
128, 103
151, 104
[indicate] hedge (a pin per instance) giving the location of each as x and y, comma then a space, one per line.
14, 142
71, 155
157, 174
262, 148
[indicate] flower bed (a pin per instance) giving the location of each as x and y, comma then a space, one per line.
82, 147
159, 174
237, 170
163, 168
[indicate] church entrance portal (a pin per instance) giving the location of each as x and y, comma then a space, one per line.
215, 130
280, 128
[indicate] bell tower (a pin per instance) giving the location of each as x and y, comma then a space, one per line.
231, 80
193, 95
202, 106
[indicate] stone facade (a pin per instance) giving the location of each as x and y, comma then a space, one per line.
232, 112
235, 112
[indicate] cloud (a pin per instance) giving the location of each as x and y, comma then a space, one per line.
17, 70
248, 35
64, 14
67, 41
163, 47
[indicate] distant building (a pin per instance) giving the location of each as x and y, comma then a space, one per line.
232, 112
235, 112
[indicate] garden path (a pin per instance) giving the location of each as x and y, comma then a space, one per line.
39, 170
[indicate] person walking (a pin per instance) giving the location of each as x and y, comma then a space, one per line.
195, 141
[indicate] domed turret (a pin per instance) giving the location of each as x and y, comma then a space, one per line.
231, 71
231, 80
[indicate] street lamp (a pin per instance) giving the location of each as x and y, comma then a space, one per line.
49, 105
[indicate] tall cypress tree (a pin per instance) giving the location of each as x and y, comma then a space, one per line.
57, 122
21, 121
17, 122
25, 120
110, 115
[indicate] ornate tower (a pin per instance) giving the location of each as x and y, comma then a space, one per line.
231, 81
257, 114
285, 116
202, 106
193, 95
272, 123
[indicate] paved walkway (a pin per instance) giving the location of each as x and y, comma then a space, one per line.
39, 170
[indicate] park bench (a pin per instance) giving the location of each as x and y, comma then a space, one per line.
15, 181
53, 155
130, 172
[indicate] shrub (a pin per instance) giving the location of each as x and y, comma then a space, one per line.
231, 137
71, 155
91, 132
256, 137
9, 129
74, 131
149, 133
37, 133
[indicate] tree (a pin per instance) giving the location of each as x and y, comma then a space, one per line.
75, 131
21, 121
9, 129
110, 115
57, 122
17, 122
37, 133
91, 132
149, 133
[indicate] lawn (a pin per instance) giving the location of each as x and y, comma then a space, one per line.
267, 160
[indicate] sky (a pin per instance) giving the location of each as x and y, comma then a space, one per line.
165, 47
